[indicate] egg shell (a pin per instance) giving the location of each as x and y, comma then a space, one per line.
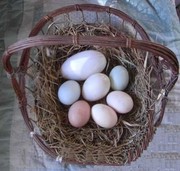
119, 78
104, 115
120, 101
69, 92
83, 64
79, 113
96, 87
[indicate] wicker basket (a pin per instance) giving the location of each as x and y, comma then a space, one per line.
126, 35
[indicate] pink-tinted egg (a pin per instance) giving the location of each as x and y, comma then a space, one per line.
120, 101
79, 113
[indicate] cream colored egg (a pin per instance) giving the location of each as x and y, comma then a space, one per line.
96, 87
104, 115
69, 92
120, 101
83, 64
119, 77
79, 113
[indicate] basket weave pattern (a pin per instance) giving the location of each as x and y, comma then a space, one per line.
123, 34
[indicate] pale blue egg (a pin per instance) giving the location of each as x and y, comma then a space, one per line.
69, 92
119, 78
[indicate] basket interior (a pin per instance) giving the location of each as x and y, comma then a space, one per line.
118, 22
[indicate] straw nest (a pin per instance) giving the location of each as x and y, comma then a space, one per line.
90, 143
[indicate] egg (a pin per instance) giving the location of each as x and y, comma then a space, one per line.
119, 78
69, 92
96, 87
83, 64
104, 115
79, 113
120, 101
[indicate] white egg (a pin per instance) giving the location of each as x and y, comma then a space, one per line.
96, 87
119, 78
83, 64
120, 101
104, 115
69, 92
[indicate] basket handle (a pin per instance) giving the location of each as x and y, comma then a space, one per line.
156, 49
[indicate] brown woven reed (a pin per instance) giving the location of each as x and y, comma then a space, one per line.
178, 9
161, 61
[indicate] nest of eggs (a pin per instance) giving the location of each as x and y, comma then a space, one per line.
91, 143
